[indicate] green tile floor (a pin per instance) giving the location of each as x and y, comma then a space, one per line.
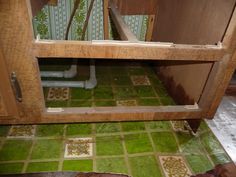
139, 149
115, 86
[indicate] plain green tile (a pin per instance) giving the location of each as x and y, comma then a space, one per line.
167, 101
103, 80
50, 130
161, 91
203, 126
155, 81
103, 93
198, 163
15, 150
189, 143
11, 168
56, 104
83, 103
111, 165
133, 126
4, 130
159, 125
137, 71
121, 80
124, 93
46, 149
144, 166
109, 145
210, 143
79, 129
138, 143
105, 103
42, 167
78, 165
81, 93
149, 102
220, 158
150, 71
107, 127
164, 142
145, 91
118, 70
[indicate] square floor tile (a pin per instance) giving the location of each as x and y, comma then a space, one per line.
78, 165
109, 145
121, 80
180, 126
211, 144
103, 93
174, 166
133, 126
137, 143
107, 127
164, 142
82, 103
145, 91
50, 130
124, 93
189, 143
47, 149
15, 150
78, 129
78, 148
167, 101
111, 165
140, 80
159, 125
58, 94
149, 102
199, 163
144, 166
23, 131
11, 168
4, 130
42, 167
126, 103
81, 94
56, 104
220, 158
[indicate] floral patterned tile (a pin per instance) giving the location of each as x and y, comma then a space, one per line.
140, 80
58, 94
126, 103
23, 131
78, 148
174, 166
180, 126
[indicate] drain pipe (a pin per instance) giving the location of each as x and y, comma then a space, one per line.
88, 84
72, 72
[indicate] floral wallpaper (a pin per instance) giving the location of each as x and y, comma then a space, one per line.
51, 21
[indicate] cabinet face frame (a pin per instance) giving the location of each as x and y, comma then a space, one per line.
34, 111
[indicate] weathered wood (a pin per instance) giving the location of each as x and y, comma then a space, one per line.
123, 30
150, 26
123, 50
105, 19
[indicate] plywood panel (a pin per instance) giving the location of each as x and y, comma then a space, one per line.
191, 22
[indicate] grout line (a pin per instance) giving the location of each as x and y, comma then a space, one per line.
94, 147
156, 154
61, 159
125, 152
30, 153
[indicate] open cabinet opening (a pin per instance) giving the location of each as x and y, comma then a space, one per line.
122, 83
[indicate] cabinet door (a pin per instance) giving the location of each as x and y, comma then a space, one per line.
8, 105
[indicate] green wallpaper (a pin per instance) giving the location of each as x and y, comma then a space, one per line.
52, 21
